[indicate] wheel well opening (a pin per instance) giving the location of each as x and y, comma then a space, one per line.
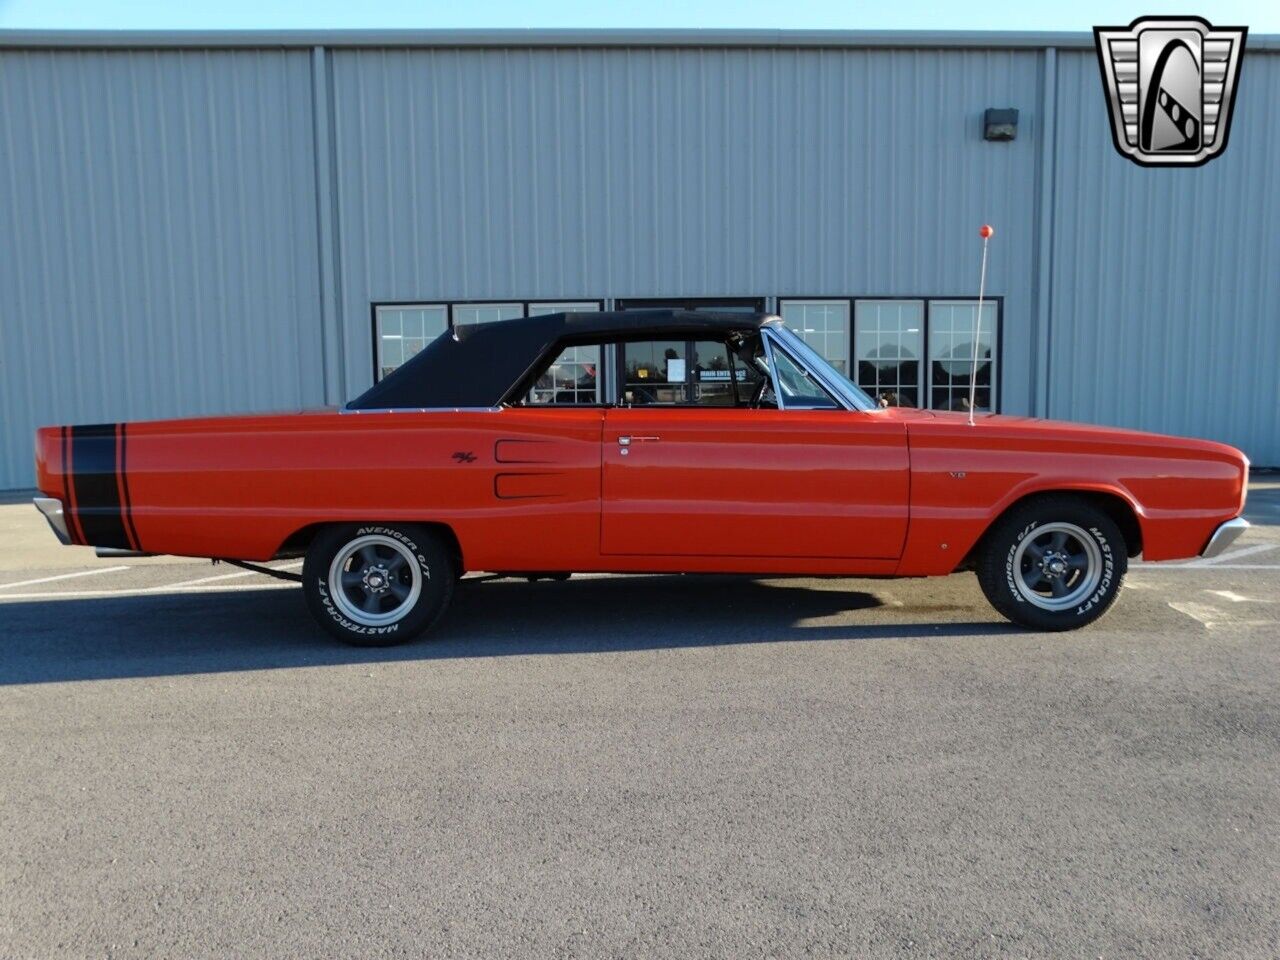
1114, 506
298, 542
1121, 514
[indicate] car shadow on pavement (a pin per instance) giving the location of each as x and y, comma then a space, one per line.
182, 633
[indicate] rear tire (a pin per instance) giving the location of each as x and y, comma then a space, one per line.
378, 584
1053, 563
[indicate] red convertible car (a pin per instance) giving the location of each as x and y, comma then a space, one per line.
652, 441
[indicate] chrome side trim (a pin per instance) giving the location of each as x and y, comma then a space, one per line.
120, 552
51, 509
423, 410
1226, 534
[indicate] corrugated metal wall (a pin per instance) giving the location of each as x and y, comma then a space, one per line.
1166, 283
159, 255
198, 231
547, 174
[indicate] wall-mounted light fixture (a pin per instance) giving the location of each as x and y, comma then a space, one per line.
1000, 124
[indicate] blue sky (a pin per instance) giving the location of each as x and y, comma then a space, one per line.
1259, 16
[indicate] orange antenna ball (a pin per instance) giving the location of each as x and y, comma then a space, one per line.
987, 231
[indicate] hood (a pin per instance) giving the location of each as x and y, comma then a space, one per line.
995, 426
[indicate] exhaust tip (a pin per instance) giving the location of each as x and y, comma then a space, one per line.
117, 552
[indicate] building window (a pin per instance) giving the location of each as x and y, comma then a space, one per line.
573, 379
403, 330
888, 344
951, 333
824, 325
486, 312
400, 330
575, 376
538, 309
905, 352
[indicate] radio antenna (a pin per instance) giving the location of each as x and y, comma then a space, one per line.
986, 233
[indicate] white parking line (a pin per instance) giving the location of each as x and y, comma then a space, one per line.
1212, 618
143, 591
229, 576
1196, 568
62, 576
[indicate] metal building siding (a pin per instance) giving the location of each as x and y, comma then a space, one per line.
161, 255
647, 172
1166, 282
178, 241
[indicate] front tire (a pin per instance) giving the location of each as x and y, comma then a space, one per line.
1053, 563
378, 584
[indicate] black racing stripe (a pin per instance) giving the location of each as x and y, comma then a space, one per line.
73, 528
93, 458
124, 484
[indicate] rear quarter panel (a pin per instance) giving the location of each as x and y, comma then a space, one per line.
964, 477
512, 484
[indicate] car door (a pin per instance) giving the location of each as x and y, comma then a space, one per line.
727, 481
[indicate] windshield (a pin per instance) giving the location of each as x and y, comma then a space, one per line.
825, 372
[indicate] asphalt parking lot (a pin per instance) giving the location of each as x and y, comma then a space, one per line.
637, 766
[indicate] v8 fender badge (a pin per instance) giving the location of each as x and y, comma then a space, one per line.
1170, 84
465, 456
957, 474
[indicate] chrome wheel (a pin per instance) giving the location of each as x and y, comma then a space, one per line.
1057, 565
375, 580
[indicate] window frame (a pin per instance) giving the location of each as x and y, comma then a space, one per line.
997, 300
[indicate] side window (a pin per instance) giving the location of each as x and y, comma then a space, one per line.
573, 379
685, 373
713, 376
800, 391
750, 376
655, 371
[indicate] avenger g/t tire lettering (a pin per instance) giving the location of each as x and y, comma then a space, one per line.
378, 584
1053, 563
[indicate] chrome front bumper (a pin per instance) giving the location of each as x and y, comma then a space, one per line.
52, 510
1224, 536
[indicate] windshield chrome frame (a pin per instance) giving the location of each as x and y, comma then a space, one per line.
777, 335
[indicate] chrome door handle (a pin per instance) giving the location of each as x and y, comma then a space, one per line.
627, 441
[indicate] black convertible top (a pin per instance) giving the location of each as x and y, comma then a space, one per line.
478, 365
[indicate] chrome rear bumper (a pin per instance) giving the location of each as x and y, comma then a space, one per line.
1224, 536
52, 510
